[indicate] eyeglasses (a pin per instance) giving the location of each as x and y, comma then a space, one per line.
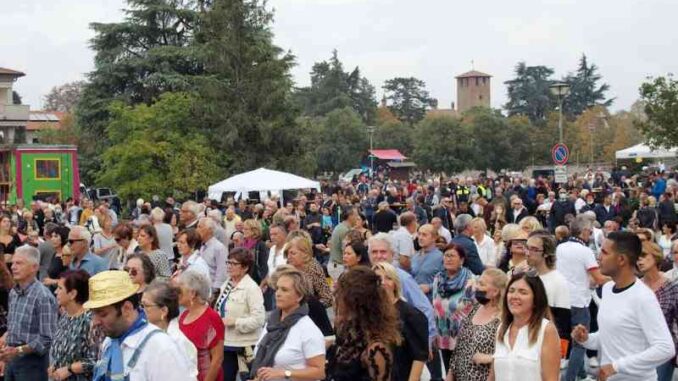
118, 239
145, 306
232, 263
450, 255
131, 271
518, 242
72, 241
534, 249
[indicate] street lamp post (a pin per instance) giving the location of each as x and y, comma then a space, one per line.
561, 90
370, 130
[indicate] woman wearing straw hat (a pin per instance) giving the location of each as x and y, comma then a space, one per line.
132, 345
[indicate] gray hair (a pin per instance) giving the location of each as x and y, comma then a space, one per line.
157, 214
462, 222
580, 223
208, 223
197, 282
381, 237
215, 214
192, 207
31, 253
83, 233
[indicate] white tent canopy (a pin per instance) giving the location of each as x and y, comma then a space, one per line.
644, 151
261, 179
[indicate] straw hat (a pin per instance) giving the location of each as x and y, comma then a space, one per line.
109, 287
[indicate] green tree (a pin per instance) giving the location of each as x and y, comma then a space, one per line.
500, 145
585, 92
660, 96
408, 99
246, 102
64, 98
156, 148
137, 59
332, 88
444, 144
343, 140
394, 135
528, 92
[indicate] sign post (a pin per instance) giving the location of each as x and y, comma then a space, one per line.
560, 154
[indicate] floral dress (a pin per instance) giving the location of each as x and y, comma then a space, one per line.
450, 306
75, 341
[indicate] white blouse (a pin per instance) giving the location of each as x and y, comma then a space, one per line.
522, 362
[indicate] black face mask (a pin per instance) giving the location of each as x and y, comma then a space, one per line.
481, 297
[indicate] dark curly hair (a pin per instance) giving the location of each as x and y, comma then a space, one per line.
363, 305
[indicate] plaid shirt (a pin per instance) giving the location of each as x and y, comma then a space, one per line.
32, 317
667, 295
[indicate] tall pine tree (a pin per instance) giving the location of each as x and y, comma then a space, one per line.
528, 92
136, 60
585, 92
332, 88
246, 92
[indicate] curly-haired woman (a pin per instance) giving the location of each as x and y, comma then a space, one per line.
367, 327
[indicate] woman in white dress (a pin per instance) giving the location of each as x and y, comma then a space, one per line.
528, 347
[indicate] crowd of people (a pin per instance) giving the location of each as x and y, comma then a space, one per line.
464, 279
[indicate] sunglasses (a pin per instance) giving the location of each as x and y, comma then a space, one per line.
130, 271
120, 239
72, 241
232, 263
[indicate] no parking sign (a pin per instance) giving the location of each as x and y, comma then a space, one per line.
560, 154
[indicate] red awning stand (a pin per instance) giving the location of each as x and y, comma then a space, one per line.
388, 154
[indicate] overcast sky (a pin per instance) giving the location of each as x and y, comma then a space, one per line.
433, 40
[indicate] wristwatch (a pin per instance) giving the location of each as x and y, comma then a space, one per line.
288, 374
20, 349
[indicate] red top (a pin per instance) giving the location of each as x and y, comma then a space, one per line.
205, 333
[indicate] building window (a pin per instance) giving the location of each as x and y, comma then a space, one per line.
47, 169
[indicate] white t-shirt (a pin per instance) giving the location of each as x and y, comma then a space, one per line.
574, 261
304, 341
275, 261
557, 291
632, 335
487, 251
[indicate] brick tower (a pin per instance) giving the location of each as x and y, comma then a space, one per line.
473, 89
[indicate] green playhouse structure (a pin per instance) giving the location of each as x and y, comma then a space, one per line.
35, 171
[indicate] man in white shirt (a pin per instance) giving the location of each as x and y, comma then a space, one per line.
276, 258
403, 240
442, 231
633, 338
576, 261
146, 352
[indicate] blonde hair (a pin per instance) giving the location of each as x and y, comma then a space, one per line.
391, 273
530, 223
509, 231
430, 227
651, 248
479, 222
254, 226
499, 281
301, 242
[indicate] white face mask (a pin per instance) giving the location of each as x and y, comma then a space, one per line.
562, 196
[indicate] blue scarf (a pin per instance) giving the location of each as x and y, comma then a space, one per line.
112, 367
450, 286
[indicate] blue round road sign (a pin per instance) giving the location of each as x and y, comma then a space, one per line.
560, 154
